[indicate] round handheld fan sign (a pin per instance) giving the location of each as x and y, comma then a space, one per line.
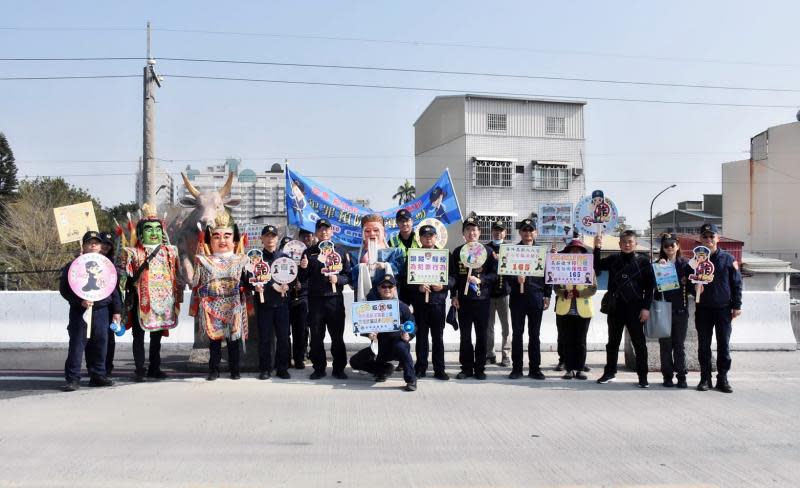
473, 255
92, 277
441, 232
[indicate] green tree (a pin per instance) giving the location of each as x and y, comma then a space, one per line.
405, 193
120, 212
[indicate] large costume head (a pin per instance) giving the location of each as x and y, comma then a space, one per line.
372, 227
150, 229
223, 236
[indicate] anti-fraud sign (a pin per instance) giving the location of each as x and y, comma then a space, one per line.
516, 260
555, 220
376, 316
284, 270
441, 232
473, 255
569, 269
595, 214
427, 266
666, 277
92, 276
294, 249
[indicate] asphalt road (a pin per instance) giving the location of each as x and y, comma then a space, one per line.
297, 433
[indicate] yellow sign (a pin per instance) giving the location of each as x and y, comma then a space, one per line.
73, 221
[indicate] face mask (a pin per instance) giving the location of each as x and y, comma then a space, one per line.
497, 241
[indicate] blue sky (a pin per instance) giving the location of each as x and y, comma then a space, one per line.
633, 149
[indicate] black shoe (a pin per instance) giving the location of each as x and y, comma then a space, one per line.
586, 369
284, 375
235, 376
411, 386
559, 367
607, 378
682, 382
339, 375
71, 386
462, 375
100, 381
515, 375
212, 375
580, 375
724, 386
317, 375
643, 383
480, 376
379, 378
567, 376
264, 375
421, 373
668, 382
441, 375
299, 365
491, 360
704, 385
536, 374
138, 378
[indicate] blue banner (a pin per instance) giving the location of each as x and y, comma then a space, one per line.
307, 201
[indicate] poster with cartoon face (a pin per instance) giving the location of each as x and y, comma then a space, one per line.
441, 232
92, 276
595, 214
284, 271
702, 266
427, 266
254, 256
294, 249
473, 255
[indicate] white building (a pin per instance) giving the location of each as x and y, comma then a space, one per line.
506, 155
262, 195
760, 195
164, 185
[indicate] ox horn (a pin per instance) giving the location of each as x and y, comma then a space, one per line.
226, 188
189, 186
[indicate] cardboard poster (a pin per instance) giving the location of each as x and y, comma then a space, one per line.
284, 271
92, 276
73, 221
555, 220
376, 316
596, 214
569, 269
441, 232
666, 277
428, 266
294, 249
516, 260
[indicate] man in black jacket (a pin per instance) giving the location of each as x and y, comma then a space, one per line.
498, 303
720, 303
630, 285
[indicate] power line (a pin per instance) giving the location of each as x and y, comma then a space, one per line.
81, 77
139, 58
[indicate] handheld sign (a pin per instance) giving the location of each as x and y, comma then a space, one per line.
294, 249
441, 232
427, 267
284, 271
521, 260
376, 316
666, 277
472, 256
555, 220
595, 213
703, 270
331, 261
72, 221
92, 277
259, 269
569, 269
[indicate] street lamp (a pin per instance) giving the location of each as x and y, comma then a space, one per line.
651, 217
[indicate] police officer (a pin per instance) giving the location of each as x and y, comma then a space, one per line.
630, 286
272, 316
720, 303
298, 319
430, 316
325, 304
309, 239
530, 304
498, 303
107, 250
473, 306
404, 240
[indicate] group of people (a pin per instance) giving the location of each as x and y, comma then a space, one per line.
479, 296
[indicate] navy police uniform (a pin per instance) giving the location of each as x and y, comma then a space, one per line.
404, 291
498, 307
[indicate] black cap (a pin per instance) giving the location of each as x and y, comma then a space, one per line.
107, 238
427, 230
92, 234
498, 225
527, 224
597, 193
388, 280
668, 238
322, 223
269, 229
303, 232
402, 214
706, 228
469, 221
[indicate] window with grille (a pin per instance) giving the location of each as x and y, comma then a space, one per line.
496, 122
555, 125
492, 174
550, 176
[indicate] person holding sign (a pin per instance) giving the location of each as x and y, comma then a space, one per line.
272, 316
498, 303
530, 304
429, 301
673, 354
573, 315
298, 311
375, 259
630, 290
473, 270
96, 344
325, 301
720, 303
404, 240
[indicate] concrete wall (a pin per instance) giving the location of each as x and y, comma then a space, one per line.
41, 318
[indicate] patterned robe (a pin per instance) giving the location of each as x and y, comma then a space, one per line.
158, 290
217, 300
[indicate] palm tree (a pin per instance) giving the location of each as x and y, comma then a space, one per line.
405, 193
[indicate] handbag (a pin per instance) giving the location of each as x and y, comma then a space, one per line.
608, 304
659, 325
452, 317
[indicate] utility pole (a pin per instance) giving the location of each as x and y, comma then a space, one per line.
149, 127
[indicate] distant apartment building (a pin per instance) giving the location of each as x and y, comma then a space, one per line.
505, 155
262, 195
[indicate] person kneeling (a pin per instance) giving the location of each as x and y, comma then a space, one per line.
392, 346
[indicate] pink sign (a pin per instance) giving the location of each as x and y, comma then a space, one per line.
92, 276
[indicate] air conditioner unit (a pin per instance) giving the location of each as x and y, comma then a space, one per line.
577, 171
